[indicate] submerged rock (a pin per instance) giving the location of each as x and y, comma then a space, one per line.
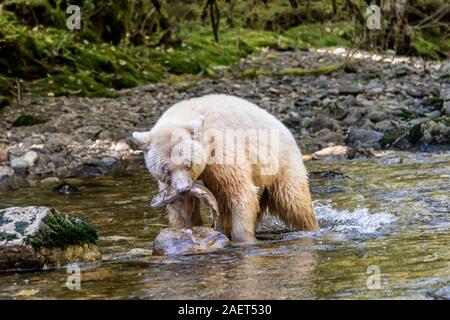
66, 188
34, 237
173, 241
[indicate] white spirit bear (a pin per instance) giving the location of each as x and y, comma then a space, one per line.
244, 155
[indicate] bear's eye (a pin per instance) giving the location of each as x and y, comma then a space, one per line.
187, 164
166, 170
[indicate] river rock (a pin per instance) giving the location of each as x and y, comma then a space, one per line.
173, 241
50, 180
6, 179
30, 158
331, 153
362, 138
3, 154
35, 237
377, 116
446, 110
20, 166
325, 122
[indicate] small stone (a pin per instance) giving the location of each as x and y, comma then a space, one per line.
121, 146
306, 122
50, 180
376, 116
88, 132
331, 153
325, 122
30, 158
66, 188
173, 241
3, 153
20, 166
433, 114
6, 179
375, 90
138, 252
384, 125
446, 109
351, 90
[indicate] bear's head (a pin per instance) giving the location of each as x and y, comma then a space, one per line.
174, 153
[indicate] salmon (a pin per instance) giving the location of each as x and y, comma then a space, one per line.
199, 191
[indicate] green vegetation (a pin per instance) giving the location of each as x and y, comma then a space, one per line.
123, 44
7, 236
21, 226
59, 230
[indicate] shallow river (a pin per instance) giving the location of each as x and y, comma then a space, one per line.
385, 234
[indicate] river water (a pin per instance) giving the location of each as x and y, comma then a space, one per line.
385, 233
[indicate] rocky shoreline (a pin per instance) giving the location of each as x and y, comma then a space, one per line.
374, 102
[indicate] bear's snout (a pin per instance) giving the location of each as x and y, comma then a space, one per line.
181, 182
183, 190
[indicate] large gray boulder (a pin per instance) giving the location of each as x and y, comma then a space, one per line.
173, 241
362, 138
35, 237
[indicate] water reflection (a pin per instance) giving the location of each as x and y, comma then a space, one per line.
391, 212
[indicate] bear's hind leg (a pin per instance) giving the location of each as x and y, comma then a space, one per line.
291, 201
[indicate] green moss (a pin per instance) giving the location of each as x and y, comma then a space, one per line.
27, 120
415, 133
7, 236
2, 218
59, 230
390, 137
430, 44
320, 36
21, 226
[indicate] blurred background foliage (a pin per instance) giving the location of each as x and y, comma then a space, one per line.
124, 43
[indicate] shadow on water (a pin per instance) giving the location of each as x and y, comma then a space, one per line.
390, 214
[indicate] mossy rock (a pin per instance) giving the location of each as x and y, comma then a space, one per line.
390, 138
428, 135
31, 237
25, 120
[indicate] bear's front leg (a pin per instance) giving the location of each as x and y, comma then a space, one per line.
244, 209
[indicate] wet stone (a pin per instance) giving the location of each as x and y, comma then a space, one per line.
6, 179
362, 138
173, 241
66, 188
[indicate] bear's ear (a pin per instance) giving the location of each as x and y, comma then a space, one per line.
142, 138
196, 127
